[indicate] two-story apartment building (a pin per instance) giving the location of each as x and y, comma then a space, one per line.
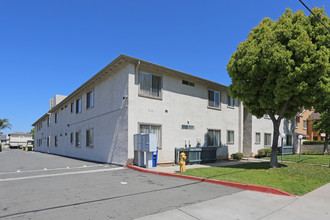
99, 119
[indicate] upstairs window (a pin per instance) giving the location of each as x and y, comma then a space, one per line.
214, 99
304, 124
90, 99
231, 101
56, 118
185, 82
72, 107
78, 105
150, 85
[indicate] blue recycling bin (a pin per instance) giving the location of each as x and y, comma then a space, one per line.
154, 158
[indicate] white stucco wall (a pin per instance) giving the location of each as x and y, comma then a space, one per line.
108, 118
180, 104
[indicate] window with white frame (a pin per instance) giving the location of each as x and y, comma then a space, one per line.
78, 105
267, 140
152, 129
230, 137
213, 138
304, 124
90, 138
78, 139
214, 99
231, 101
258, 138
150, 85
90, 99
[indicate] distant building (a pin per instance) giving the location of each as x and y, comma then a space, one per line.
313, 134
4, 140
301, 123
19, 139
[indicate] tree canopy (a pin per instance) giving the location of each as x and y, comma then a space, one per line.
282, 66
4, 123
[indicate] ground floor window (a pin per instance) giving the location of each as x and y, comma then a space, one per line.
289, 140
71, 137
267, 139
90, 138
152, 129
48, 141
55, 138
213, 138
230, 137
257, 138
78, 139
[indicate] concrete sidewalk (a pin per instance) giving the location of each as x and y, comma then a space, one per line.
176, 168
255, 205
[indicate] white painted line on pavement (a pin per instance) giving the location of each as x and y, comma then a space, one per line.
61, 174
45, 169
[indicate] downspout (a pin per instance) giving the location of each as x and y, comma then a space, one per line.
137, 73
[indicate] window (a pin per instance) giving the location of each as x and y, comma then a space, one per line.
257, 138
213, 138
188, 127
78, 105
214, 99
231, 101
56, 118
78, 139
150, 85
289, 140
90, 99
71, 137
230, 137
48, 141
72, 107
185, 82
268, 139
48, 122
55, 138
152, 129
297, 121
304, 124
90, 138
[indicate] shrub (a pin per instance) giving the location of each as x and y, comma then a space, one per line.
237, 156
0, 147
314, 142
264, 152
29, 148
312, 152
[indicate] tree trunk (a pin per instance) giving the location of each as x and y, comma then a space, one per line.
326, 141
273, 156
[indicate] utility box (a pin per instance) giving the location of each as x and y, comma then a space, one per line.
137, 142
148, 142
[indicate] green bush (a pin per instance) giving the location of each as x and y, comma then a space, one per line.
264, 152
237, 156
29, 148
0, 147
312, 152
314, 142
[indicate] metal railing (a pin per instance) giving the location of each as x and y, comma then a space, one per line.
196, 154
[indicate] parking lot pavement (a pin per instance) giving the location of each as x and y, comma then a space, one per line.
93, 191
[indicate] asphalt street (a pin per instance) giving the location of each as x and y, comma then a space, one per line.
43, 186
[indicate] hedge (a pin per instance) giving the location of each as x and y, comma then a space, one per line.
314, 142
265, 152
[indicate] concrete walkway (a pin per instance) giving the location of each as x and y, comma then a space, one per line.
255, 205
250, 204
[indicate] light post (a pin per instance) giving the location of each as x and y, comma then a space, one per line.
282, 137
300, 137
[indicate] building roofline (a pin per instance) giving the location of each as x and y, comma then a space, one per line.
120, 60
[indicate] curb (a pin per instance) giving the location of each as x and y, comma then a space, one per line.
243, 186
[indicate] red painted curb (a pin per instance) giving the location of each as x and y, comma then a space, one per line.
250, 187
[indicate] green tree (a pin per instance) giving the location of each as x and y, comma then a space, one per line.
32, 132
323, 124
282, 66
4, 123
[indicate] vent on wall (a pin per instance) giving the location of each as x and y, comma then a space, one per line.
185, 82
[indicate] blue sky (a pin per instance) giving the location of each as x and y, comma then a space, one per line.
52, 47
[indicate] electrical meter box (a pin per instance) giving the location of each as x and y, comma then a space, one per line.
137, 142
149, 142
